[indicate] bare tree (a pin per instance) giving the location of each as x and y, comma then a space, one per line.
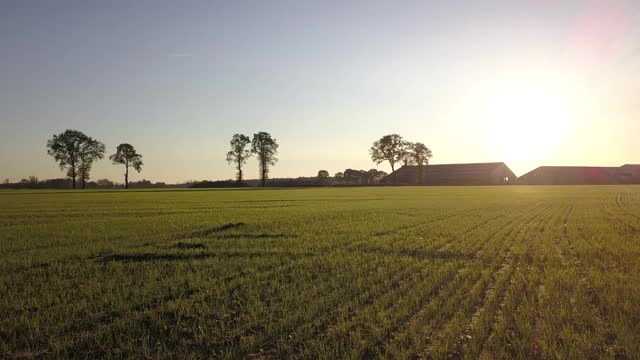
391, 148
266, 148
239, 153
126, 155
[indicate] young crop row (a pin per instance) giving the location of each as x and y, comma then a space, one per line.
515, 272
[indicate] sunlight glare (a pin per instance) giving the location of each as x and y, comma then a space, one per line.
529, 119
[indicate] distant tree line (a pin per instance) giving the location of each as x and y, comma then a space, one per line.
32, 182
76, 153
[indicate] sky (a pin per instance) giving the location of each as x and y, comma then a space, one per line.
528, 83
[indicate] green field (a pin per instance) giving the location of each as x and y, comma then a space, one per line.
491, 272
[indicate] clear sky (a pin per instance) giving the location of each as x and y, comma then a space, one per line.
538, 82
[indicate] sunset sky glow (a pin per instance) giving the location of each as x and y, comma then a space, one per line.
529, 83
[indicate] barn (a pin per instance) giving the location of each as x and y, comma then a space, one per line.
582, 175
453, 174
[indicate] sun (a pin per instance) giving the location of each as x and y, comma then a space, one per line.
528, 120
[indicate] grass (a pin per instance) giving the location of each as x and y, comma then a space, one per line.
434, 272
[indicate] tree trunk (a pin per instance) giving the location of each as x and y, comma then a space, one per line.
126, 176
393, 171
239, 173
263, 172
73, 175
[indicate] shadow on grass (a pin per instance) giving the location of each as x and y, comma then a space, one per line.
211, 231
145, 257
182, 245
254, 236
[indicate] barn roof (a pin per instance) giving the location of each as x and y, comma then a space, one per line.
577, 174
444, 173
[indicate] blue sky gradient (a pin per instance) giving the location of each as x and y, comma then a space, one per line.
325, 78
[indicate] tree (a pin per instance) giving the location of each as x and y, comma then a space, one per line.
127, 156
65, 149
391, 148
338, 176
105, 184
374, 176
266, 148
90, 151
322, 178
238, 153
6, 182
419, 155
352, 176
407, 159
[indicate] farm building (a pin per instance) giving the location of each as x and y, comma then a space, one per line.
453, 174
582, 175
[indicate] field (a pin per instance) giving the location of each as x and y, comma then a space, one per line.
473, 272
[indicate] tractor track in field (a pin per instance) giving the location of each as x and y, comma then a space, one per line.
622, 202
439, 333
611, 344
439, 250
537, 337
373, 301
392, 288
486, 350
408, 323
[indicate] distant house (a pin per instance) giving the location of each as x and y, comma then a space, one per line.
454, 174
582, 175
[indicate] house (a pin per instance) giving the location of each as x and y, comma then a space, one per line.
582, 175
453, 174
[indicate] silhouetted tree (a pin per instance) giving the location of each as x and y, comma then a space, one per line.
65, 149
391, 148
127, 156
338, 176
352, 176
374, 176
420, 155
239, 153
90, 151
33, 180
105, 183
323, 178
6, 181
407, 159
266, 148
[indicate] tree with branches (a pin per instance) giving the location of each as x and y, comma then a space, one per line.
266, 148
391, 148
90, 151
419, 154
127, 155
239, 153
75, 152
